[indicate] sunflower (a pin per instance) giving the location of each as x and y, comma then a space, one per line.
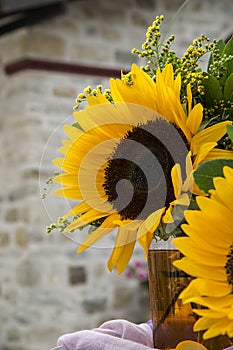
208, 251
130, 161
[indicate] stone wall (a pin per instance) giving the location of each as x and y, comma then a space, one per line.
46, 289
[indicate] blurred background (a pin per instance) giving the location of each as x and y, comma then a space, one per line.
49, 51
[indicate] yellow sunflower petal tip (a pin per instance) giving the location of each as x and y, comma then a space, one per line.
190, 345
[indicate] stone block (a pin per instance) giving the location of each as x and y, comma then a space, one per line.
22, 192
39, 337
94, 305
125, 57
21, 237
122, 297
31, 173
77, 275
140, 20
12, 45
147, 4
12, 215
6, 346
4, 239
13, 334
25, 316
91, 30
65, 91
44, 44
113, 16
172, 6
89, 53
28, 274
110, 34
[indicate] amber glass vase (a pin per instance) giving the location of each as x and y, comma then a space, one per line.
172, 321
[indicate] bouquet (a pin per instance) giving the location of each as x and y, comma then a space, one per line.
152, 158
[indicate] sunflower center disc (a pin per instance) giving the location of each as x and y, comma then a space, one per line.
138, 174
229, 267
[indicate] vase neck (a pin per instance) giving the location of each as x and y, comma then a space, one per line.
157, 244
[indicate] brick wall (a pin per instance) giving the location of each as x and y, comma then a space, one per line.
45, 288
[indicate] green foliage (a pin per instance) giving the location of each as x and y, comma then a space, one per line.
207, 171
230, 132
227, 57
212, 90
217, 99
78, 126
228, 89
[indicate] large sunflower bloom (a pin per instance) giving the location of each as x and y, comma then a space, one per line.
208, 251
143, 138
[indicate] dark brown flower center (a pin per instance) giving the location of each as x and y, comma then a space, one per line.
138, 174
229, 267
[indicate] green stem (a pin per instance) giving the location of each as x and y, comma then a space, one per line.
174, 18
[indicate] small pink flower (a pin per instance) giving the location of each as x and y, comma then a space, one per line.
138, 264
142, 275
129, 274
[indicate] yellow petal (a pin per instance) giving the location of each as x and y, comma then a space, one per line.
219, 153
189, 96
202, 323
215, 210
147, 228
190, 345
225, 192
72, 132
203, 151
228, 173
198, 253
95, 100
195, 118
80, 208
85, 219
214, 327
68, 192
66, 179
202, 287
66, 146
210, 313
183, 199
176, 179
210, 134
195, 269
167, 217
106, 227
122, 252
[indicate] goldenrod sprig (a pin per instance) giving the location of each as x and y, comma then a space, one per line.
50, 185
61, 225
88, 91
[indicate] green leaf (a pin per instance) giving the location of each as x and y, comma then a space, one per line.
220, 46
228, 50
77, 125
228, 89
230, 131
212, 90
205, 173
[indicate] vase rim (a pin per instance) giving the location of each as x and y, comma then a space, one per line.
162, 244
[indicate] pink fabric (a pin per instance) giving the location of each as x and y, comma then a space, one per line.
112, 335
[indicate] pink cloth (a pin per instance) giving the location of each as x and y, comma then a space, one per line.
112, 335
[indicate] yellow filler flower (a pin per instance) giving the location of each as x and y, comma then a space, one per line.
208, 251
128, 164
